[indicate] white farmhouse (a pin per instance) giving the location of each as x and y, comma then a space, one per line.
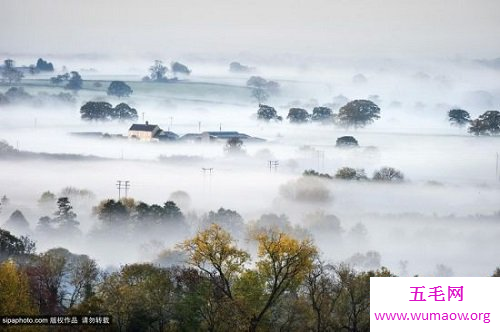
143, 132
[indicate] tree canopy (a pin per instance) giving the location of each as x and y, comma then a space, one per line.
112, 213
262, 88
267, 113
158, 71
103, 111
96, 110
59, 78
458, 117
228, 219
488, 123
322, 114
388, 174
237, 67
234, 145
179, 68
358, 113
282, 264
346, 141
298, 115
65, 217
75, 82
119, 89
15, 297
349, 173
123, 111
17, 221
120, 213
10, 244
43, 65
10, 73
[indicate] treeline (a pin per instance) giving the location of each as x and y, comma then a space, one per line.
10, 74
17, 95
127, 218
158, 72
311, 189
274, 281
384, 174
284, 287
487, 123
57, 213
356, 113
72, 80
127, 213
103, 111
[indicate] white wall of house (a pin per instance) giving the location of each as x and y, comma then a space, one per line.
142, 135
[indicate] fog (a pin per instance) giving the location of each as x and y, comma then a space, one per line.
415, 59
445, 213
341, 27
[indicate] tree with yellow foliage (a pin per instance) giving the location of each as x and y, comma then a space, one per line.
14, 291
282, 265
284, 262
214, 252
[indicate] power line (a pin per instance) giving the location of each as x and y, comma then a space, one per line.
205, 170
125, 185
273, 163
209, 170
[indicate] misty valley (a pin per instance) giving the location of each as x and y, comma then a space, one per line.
174, 194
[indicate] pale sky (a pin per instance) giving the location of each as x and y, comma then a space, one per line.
332, 27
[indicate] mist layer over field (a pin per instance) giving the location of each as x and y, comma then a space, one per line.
446, 212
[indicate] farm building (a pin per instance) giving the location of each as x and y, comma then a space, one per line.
208, 136
143, 132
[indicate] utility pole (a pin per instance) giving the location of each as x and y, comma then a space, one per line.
321, 158
273, 163
119, 186
205, 170
125, 185
209, 170
496, 172
142, 116
199, 126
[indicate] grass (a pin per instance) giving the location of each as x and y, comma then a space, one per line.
181, 90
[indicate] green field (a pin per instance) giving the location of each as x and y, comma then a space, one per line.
181, 90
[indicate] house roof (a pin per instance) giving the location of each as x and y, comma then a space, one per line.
167, 135
143, 127
227, 134
214, 135
191, 136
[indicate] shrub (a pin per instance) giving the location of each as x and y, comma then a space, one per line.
388, 174
346, 141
